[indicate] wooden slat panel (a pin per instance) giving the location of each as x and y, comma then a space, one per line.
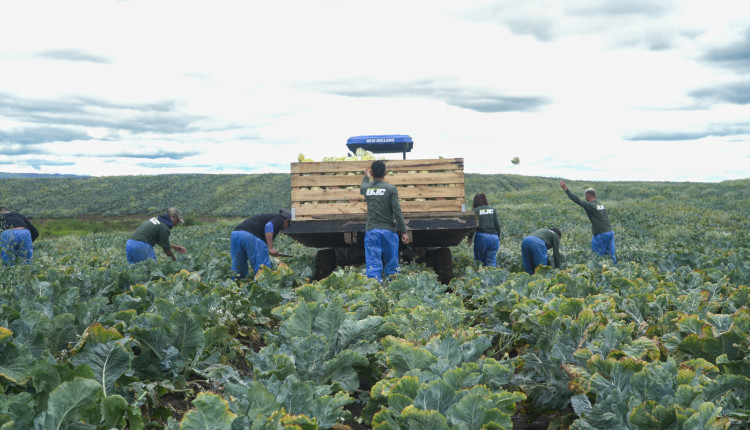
426, 192
417, 192
438, 184
330, 167
392, 165
327, 181
329, 208
397, 179
327, 194
317, 209
400, 179
408, 216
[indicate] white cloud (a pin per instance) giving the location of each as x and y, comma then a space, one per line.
107, 87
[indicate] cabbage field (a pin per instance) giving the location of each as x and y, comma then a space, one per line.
659, 341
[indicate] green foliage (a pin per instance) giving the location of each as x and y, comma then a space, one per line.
82, 226
108, 196
113, 411
109, 361
657, 341
321, 343
211, 412
445, 383
72, 401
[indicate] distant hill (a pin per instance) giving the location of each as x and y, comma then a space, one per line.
194, 194
538, 201
38, 175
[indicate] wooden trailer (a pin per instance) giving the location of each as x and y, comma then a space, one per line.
330, 213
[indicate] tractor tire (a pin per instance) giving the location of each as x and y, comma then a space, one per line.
325, 263
443, 265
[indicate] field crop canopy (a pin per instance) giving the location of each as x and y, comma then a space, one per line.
658, 341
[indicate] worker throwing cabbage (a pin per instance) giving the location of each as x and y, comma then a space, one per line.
603, 238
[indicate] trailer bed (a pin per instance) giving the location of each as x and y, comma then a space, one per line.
327, 189
429, 230
330, 213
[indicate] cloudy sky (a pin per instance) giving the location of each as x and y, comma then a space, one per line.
580, 89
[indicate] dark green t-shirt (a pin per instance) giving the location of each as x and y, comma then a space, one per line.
596, 213
382, 206
153, 232
487, 221
551, 240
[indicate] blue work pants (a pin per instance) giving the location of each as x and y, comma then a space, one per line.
137, 251
604, 244
533, 253
381, 249
245, 246
15, 246
485, 248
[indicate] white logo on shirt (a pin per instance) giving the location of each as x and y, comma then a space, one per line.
486, 211
375, 192
155, 221
600, 207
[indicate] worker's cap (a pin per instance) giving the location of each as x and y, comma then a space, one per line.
3, 208
286, 214
175, 213
590, 190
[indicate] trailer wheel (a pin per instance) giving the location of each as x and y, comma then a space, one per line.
443, 265
325, 263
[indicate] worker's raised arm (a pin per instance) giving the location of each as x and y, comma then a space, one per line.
366, 181
572, 196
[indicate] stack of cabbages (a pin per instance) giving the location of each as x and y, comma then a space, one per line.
360, 154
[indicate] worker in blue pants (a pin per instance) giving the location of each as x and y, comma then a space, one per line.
534, 249
16, 238
487, 234
381, 233
155, 231
252, 241
603, 236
